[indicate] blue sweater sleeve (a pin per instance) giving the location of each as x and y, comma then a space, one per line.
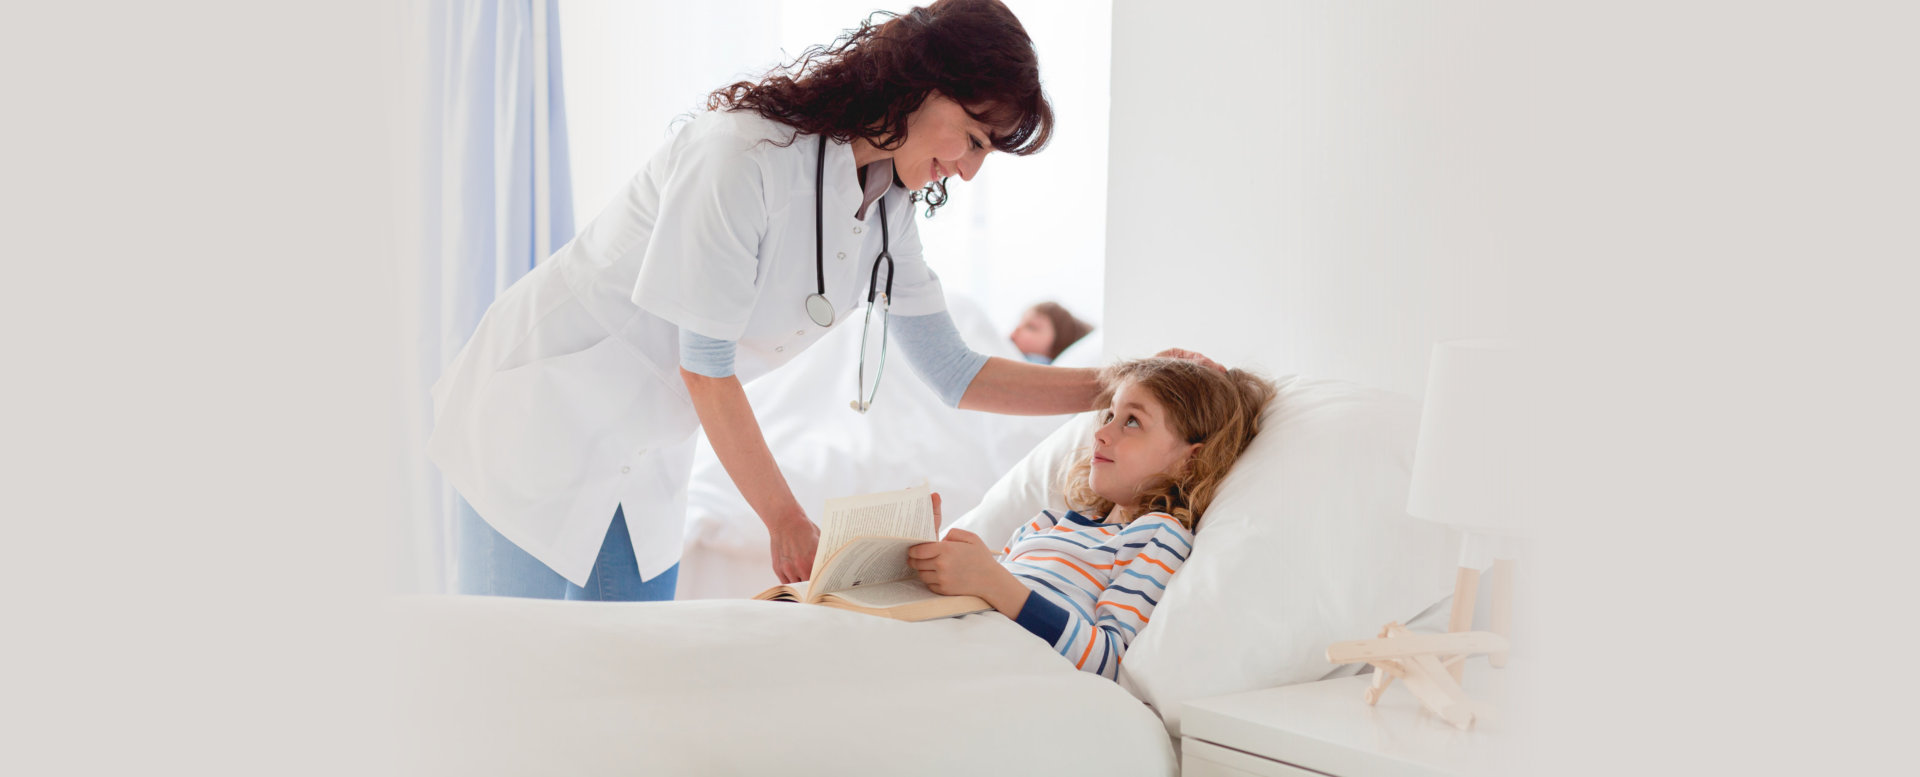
938, 354
704, 355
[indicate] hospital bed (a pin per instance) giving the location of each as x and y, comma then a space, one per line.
1307, 543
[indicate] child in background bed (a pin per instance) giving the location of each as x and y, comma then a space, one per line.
1087, 580
1045, 331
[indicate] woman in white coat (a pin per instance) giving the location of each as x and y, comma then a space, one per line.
567, 421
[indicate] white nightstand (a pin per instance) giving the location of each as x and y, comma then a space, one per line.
1326, 728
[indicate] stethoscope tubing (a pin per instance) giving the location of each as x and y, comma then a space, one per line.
820, 238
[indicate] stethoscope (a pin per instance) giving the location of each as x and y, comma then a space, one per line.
821, 311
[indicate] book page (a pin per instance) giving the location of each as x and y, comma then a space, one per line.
907, 513
779, 593
866, 561
884, 595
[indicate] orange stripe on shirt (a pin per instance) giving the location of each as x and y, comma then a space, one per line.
1082, 663
1143, 616
1155, 562
1069, 562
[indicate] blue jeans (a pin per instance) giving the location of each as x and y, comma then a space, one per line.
491, 565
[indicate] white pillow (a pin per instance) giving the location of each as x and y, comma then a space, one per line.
1308, 543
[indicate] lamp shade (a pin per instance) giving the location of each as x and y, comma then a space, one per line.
1464, 463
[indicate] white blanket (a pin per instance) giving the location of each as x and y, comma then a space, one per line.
518, 686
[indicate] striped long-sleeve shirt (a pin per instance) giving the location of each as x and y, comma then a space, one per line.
1094, 585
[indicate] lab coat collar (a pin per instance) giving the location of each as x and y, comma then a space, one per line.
878, 178
844, 189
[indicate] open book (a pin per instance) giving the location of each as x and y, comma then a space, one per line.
861, 563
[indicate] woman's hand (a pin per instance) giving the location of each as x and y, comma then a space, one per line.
963, 565
728, 421
795, 540
1192, 356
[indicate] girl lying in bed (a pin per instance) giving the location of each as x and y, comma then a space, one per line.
1087, 581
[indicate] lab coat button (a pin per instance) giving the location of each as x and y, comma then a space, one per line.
843, 254
625, 470
856, 230
802, 333
779, 348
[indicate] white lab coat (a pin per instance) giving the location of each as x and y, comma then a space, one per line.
567, 401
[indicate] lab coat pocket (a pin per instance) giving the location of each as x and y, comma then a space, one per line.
555, 423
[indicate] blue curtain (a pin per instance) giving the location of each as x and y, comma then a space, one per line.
496, 198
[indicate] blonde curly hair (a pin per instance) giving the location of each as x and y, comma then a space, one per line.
1219, 411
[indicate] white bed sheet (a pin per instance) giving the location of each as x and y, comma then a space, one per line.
521, 686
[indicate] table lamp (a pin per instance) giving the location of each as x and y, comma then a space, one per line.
1464, 478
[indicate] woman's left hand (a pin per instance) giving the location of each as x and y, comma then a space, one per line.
1192, 356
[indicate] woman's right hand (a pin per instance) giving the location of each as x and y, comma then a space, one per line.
795, 540
731, 428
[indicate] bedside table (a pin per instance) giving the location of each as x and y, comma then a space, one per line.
1326, 728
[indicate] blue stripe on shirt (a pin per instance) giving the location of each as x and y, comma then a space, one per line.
1056, 589
1162, 586
1119, 587
1184, 542
1067, 539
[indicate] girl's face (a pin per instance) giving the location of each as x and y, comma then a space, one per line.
1134, 443
942, 140
1034, 334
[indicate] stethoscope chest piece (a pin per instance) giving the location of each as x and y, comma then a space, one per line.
819, 309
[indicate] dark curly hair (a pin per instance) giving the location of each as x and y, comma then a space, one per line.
865, 83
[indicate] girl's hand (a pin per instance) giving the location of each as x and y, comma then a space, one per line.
963, 565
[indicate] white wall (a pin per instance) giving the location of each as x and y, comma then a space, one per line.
203, 426
1700, 214
1291, 188
631, 68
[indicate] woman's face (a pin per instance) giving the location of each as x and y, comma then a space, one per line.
1134, 443
942, 140
1034, 334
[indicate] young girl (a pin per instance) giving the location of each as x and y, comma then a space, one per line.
1087, 582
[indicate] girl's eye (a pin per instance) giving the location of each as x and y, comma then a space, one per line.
1133, 421
1107, 417
976, 142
